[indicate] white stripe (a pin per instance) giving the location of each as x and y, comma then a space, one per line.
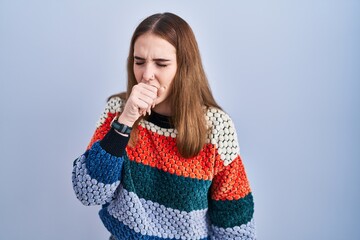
222, 134
114, 105
167, 132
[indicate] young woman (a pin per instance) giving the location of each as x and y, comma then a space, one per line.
164, 160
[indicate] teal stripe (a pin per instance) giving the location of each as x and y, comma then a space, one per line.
170, 190
227, 213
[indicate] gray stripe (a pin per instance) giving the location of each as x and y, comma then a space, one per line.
152, 219
243, 232
88, 190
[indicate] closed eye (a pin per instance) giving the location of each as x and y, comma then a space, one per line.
160, 62
161, 65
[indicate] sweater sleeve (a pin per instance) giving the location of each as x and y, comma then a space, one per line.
231, 205
96, 173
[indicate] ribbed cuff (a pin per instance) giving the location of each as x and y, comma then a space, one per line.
114, 143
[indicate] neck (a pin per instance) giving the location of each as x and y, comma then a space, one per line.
163, 108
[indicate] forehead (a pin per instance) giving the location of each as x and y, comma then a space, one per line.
150, 45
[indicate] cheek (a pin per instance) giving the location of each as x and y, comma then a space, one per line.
167, 81
171, 76
137, 74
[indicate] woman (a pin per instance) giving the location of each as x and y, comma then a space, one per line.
164, 160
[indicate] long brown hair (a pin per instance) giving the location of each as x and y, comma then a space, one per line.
190, 91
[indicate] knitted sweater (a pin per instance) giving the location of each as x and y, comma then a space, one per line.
148, 191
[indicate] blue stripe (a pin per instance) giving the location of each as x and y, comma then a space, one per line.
123, 232
102, 166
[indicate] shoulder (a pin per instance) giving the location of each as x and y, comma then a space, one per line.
114, 105
216, 116
219, 121
222, 134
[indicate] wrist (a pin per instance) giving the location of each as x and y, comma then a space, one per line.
120, 127
121, 119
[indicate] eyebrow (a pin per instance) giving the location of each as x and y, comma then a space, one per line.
155, 59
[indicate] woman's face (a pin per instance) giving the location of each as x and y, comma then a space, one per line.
155, 64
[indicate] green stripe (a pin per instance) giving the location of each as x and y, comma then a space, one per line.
170, 190
231, 213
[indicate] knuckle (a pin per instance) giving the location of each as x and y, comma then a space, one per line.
135, 87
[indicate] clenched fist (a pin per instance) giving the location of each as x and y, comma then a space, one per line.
142, 98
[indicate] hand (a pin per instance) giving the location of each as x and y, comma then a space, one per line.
142, 98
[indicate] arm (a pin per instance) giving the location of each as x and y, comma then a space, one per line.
231, 205
96, 174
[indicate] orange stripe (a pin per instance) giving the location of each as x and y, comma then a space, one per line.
102, 130
231, 182
161, 152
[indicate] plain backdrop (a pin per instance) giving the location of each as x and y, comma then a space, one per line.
287, 72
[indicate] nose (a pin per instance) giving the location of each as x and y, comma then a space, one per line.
149, 73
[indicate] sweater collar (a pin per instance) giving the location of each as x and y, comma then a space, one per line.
160, 120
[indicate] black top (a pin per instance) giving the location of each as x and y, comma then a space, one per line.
160, 120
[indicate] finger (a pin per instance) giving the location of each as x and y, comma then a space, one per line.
145, 93
136, 102
142, 105
152, 88
159, 94
140, 99
142, 112
144, 89
153, 84
148, 97
147, 100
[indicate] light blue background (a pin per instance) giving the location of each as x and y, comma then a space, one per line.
288, 72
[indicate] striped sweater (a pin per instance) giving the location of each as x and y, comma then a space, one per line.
148, 191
